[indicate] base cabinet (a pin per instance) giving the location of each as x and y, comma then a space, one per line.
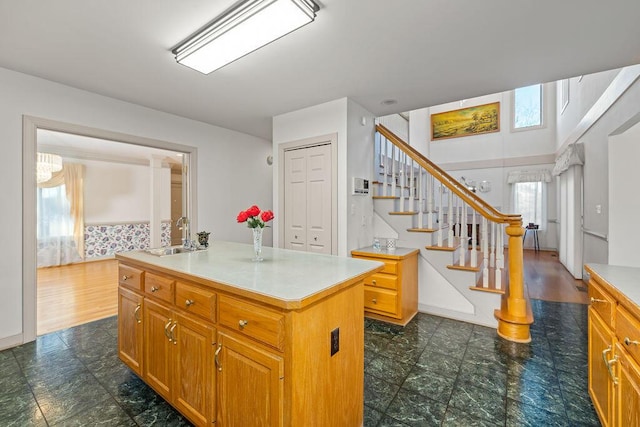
614, 355
250, 384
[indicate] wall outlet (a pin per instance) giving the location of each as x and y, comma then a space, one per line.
598, 209
335, 341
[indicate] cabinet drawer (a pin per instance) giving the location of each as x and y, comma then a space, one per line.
602, 303
382, 300
130, 277
252, 320
377, 280
628, 332
159, 286
196, 300
390, 267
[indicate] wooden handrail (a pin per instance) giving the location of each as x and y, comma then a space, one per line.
477, 203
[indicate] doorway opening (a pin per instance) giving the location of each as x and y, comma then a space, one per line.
127, 205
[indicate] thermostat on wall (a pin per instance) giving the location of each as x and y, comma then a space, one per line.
360, 186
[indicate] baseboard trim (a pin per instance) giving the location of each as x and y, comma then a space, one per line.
455, 315
12, 341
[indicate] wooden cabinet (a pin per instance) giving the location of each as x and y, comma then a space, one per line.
227, 359
130, 329
614, 354
250, 384
392, 294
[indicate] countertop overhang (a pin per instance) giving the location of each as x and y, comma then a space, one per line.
287, 279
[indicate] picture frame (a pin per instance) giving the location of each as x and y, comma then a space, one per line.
468, 121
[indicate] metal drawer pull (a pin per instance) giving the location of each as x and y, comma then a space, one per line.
216, 357
125, 277
189, 302
594, 300
375, 301
166, 329
627, 341
173, 338
243, 323
154, 289
609, 364
136, 313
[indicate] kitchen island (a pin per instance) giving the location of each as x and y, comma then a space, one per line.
239, 343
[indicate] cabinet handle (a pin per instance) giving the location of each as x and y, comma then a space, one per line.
154, 289
125, 277
243, 323
627, 341
189, 302
172, 338
216, 358
609, 364
594, 300
166, 329
375, 301
373, 282
136, 313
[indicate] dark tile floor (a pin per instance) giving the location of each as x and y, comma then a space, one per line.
434, 371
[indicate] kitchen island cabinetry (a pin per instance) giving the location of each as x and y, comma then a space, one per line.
236, 343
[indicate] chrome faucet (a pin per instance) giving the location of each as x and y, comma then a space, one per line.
183, 224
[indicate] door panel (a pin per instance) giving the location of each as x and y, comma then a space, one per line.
295, 164
157, 364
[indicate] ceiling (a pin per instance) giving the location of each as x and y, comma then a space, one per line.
418, 52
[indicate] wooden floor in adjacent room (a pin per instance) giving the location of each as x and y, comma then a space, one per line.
548, 280
71, 295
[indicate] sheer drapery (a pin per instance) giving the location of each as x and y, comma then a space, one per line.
61, 217
529, 195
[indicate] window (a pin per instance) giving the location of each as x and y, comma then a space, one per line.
527, 107
528, 200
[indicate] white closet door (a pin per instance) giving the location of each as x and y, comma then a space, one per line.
295, 195
308, 199
319, 199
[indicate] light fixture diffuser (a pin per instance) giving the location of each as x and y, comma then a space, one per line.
245, 28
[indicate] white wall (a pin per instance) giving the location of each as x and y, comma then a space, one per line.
360, 148
616, 106
624, 152
219, 154
118, 192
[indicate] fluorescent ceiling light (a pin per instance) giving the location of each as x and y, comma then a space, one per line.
243, 29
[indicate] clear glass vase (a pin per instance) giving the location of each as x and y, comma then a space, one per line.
257, 244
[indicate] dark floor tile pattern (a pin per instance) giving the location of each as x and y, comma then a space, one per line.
433, 372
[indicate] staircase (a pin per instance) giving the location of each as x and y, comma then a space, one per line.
461, 239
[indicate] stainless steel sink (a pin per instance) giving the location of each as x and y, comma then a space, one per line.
172, 250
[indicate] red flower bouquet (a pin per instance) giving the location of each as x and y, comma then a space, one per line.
254, 217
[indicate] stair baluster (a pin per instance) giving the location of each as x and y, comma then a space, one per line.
450, 219
485, 253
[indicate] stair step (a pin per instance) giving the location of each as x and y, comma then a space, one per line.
422, 230
404, 213
445, 247
491, 287
386, 197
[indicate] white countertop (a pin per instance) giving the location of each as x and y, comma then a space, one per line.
399, 252
624, 279
284, 274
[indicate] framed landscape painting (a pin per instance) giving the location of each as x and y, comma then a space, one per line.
466, 121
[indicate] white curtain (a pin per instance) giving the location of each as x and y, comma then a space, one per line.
60, 221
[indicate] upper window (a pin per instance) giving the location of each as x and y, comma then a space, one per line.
527, 107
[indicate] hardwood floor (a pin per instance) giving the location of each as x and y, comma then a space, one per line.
75, 294
548, 280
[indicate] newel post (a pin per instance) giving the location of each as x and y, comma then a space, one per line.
514, 317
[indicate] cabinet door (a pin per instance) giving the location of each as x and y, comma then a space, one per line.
600, 384
158, 347
627, 410
130, 329
250, 384
193, 382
